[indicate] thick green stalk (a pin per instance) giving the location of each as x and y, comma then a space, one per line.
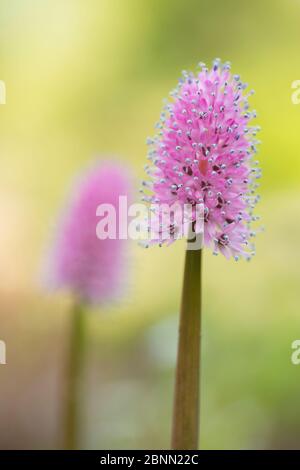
74, 377
185, 430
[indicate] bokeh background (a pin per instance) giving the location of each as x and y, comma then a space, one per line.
87, 78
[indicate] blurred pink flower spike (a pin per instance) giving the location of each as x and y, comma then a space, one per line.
92, 268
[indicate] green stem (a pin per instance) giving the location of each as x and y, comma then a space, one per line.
74, 377
185, 430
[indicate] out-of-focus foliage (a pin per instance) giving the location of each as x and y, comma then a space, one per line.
87, 77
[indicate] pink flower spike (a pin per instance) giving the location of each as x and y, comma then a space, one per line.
91, 268
204, 154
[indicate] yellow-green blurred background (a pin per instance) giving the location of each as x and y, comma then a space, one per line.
87, 78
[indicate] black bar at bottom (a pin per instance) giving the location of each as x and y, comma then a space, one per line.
135, 458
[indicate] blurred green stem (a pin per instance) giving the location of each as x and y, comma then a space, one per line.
185, 428
74, 376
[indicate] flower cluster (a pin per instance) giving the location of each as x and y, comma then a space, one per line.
79, 261
204, 154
